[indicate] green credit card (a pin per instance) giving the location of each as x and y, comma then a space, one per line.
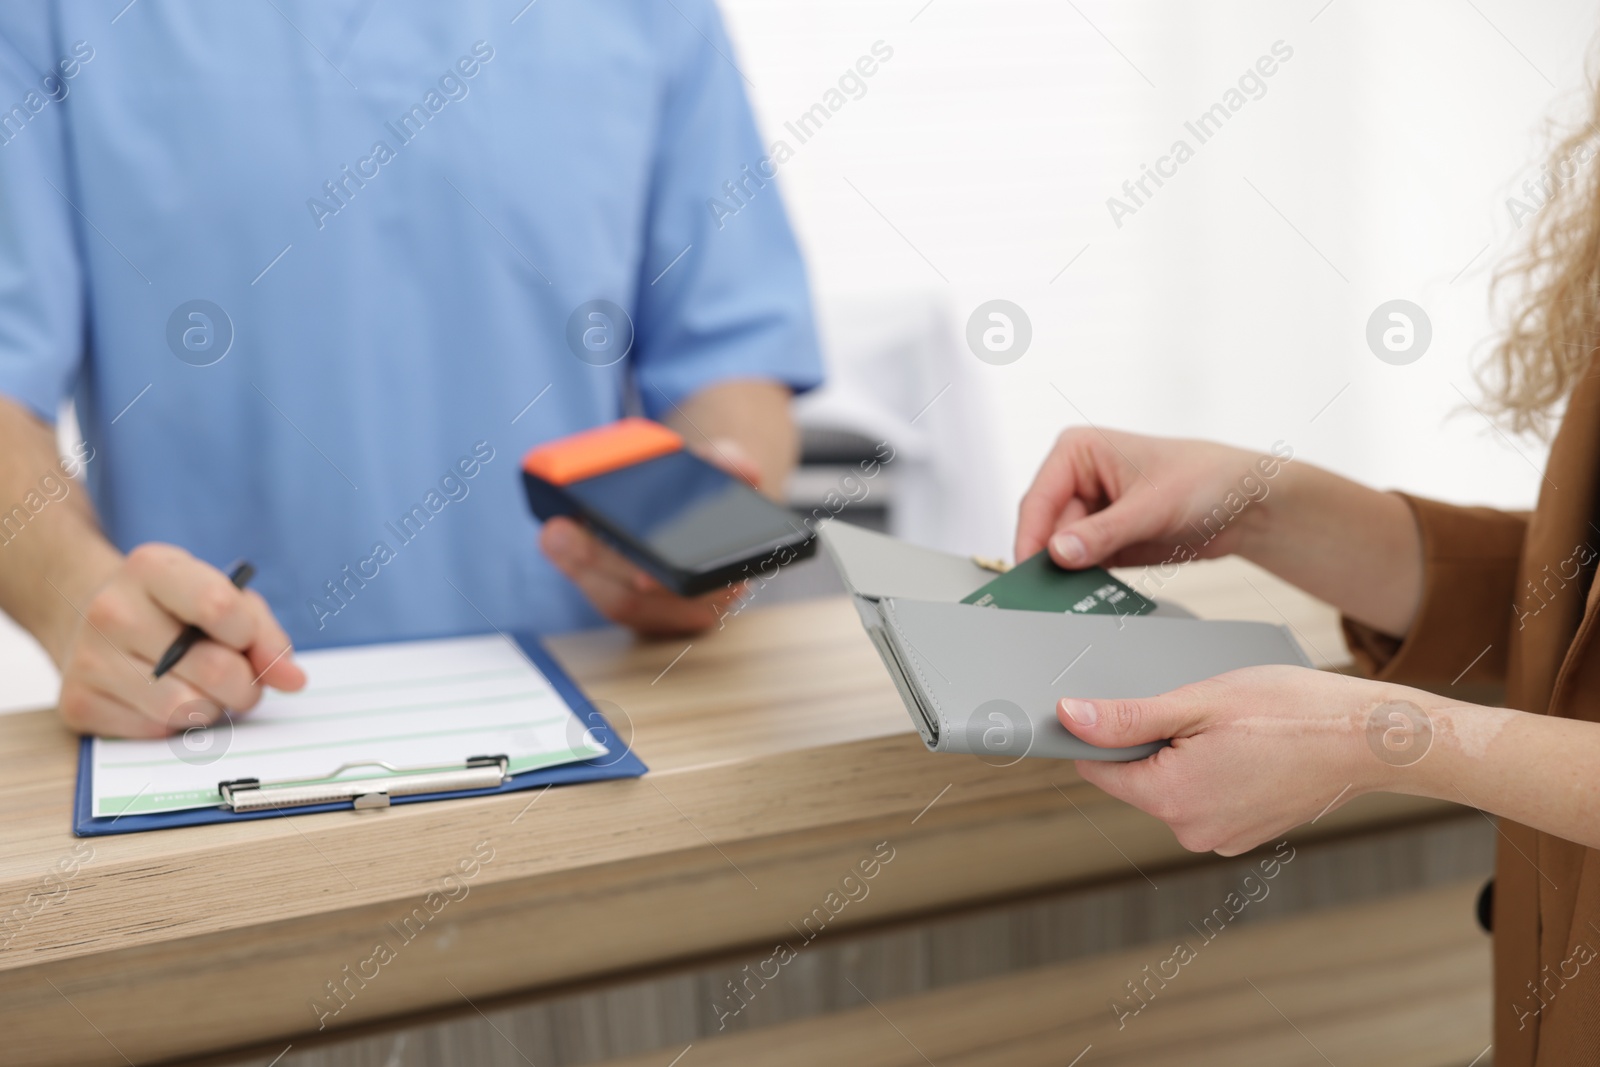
1037, 584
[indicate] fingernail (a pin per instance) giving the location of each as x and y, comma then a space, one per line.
1069, 548
1081, 712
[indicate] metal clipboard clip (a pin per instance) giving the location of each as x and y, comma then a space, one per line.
252, 794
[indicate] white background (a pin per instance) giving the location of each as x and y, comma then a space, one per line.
993, 138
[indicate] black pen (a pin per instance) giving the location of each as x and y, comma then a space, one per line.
240, 577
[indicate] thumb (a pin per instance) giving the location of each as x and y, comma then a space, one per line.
1096, 538
733, 458
1122, 723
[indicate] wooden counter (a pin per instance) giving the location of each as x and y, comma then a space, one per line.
780, 759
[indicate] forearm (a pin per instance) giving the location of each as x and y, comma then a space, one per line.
1533, 769
755, 414
1355, 547
52, 553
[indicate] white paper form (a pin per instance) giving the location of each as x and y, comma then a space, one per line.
410, 704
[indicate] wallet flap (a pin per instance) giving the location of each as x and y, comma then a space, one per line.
875, 566
991, 678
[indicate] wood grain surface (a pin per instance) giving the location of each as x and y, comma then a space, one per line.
780, 756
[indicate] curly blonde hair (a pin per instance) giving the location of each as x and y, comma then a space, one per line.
1554, 326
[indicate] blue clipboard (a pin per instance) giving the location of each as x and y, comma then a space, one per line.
620, 762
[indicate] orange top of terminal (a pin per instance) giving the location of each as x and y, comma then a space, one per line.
605, 448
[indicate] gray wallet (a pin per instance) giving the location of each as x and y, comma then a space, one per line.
986, 680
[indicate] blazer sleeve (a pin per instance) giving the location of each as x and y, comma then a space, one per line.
1470, 561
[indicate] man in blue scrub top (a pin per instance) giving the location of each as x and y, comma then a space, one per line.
316, 274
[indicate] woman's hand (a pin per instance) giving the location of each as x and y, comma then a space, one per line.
1121, 499
1256, 752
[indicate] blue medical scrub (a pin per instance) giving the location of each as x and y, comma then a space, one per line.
316, 275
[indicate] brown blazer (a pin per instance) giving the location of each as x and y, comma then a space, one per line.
1506, 594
